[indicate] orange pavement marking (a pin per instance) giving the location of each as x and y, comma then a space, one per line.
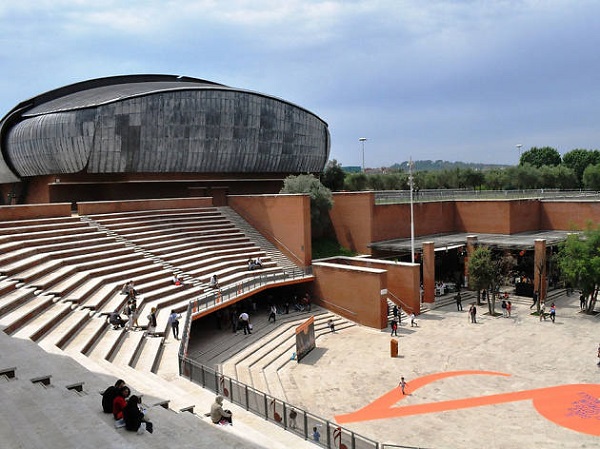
575, 406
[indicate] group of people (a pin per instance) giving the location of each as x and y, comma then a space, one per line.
254, 264
543, 313
130, 311
127, 409
506, 308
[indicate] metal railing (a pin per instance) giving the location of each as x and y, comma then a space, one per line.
272, 409
403, 196
216, 297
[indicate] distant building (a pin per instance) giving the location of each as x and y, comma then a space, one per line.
151, 136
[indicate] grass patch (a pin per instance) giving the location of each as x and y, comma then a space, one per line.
327, 247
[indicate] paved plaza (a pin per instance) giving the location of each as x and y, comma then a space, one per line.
501, 383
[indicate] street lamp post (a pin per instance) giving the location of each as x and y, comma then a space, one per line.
362, 140
412, 219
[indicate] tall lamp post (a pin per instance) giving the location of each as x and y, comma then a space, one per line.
412, 218
519, 145
362, 140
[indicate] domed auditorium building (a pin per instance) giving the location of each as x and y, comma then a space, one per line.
154, 136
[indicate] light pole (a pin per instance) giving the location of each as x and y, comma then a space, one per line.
362, 140
412, 219
519, 148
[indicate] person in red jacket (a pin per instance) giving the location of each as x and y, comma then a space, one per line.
120, 402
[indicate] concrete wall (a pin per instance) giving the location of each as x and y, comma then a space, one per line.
283, 219
352, 292
105, 207
32, 211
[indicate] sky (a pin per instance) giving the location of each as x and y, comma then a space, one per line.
453, 80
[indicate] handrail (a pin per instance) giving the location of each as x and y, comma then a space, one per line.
350, 312
271, 236
398, 300
383, 197
213, 298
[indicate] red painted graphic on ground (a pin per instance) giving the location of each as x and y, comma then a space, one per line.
574, 406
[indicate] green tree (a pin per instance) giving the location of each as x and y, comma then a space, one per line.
591, 177
540, 156
579, 263
579, 159
523, 177
356, 182
473, 178
495, 179
333, 176
558, 177
321, 200
481, 270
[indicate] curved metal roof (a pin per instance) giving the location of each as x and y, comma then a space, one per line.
159, 124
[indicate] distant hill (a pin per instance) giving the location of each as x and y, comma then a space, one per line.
423, 166
444, 165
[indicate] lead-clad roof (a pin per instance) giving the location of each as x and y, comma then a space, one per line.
161, 124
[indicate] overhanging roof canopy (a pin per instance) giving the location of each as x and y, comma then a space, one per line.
521, 241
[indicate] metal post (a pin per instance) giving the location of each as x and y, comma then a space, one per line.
362, 140
412, 220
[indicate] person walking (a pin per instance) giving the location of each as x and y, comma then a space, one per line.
473, 313
151, 330
582, 301
293, 416
458, 299
244, 320
534, 298
542, 311
403, 385
508, 308
413, 320
394, 328
552, 312
395, 312
598, 354
504, 314
174, 323
273, 313
331, 325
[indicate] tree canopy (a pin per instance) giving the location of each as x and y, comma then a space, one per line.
333, 176
539, 157
321, 199
579, 262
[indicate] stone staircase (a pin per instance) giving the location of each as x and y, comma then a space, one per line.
281, 259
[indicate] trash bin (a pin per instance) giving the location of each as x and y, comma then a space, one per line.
393, 347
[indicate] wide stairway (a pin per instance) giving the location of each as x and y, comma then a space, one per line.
61, 277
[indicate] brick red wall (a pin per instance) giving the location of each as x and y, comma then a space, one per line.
105, 207
569, 215
31, 211
352, 220
283, 219
351, 293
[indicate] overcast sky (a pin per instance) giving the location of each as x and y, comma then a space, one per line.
432, 79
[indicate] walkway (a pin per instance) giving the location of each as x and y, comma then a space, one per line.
497, 356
